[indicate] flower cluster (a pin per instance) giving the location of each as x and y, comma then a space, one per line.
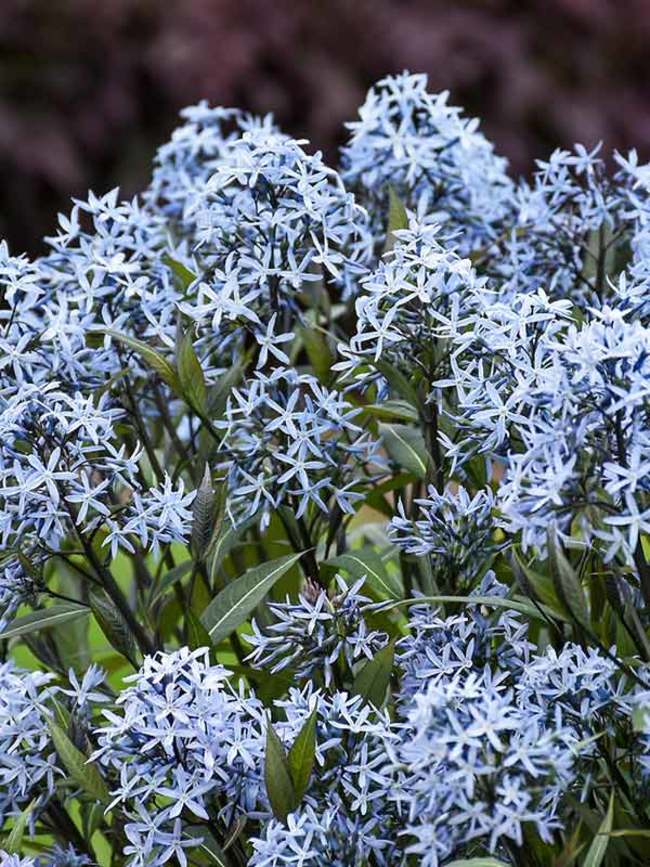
566, 404
454, 530
289, 439
309, 637
78, 479
409, 305
573, 226
437, 161
184, 744
27, 760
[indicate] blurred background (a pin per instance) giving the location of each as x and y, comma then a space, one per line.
89, 89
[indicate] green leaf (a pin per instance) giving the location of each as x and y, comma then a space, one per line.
366, 561
396, 379
477, 862
84, 774
183, 274
406, 447
208, 845
197, 634
373, 679
224, 541
392, 409
151, 358
641, 718
397, 218
190, 373
279, 785
13, 844
567, 583
169, 579
536, 585
45, 618
238, 599
92, 818
493, 601
301, 755
596, 852
318, 352
112, 623
218, 394
202, 516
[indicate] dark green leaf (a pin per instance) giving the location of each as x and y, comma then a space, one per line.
366, 562
397, 381
406, 447
224, 541
373, 679
208, 845
318, 352
45, 618
218, 394
567, 584
536, 585
190, 373
537, 613
301, 755
202, 516
392, 409
238, 599
169, 579
84, 774
151, 358
397, 218
197, 634
13, 844
477, 862
112, 623
184, 276
279, 786
596, 852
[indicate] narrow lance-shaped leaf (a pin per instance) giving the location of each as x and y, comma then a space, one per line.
318, 352
157, 362
202, 515
190, 373
406, 447
197, 634
538, 613
477, 862
302, 754
392, 409
113, 625
279, 785
45, 618
567, 583
367, 563
238, 599
397, 218
373, 679
13, 844
83, 773
223, 540
397, 381
596, 852
184, 276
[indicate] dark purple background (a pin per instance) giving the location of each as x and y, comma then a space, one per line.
88, 89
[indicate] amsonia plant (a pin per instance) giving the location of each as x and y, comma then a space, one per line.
325, 507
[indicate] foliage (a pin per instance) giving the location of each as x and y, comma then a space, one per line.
325, 505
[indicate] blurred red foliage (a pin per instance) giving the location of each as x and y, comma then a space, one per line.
87, 89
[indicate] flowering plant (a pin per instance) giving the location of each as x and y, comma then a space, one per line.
325, 507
